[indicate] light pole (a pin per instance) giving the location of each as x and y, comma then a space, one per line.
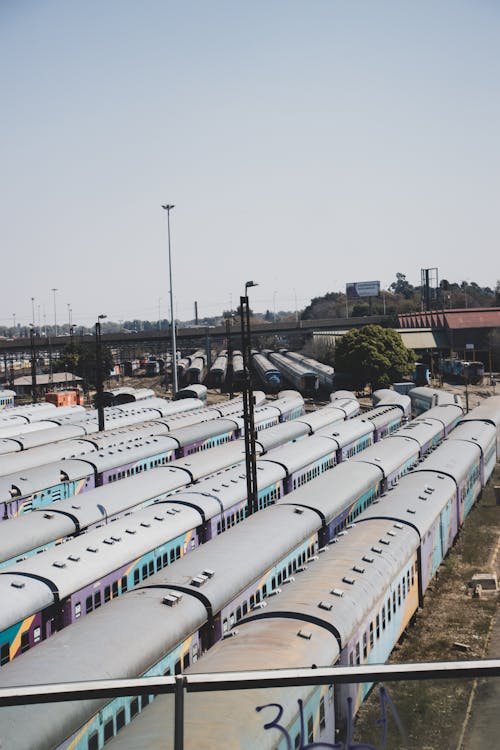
98, 360
33, 364
168, 207
14, 319
248, 405
33, 311
54, 290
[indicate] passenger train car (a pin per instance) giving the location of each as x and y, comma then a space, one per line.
301, 377
326, 373
184, 607
268, 374
423, 398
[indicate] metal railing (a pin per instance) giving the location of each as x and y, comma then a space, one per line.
222, 681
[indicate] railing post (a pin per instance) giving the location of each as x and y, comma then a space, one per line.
179, 712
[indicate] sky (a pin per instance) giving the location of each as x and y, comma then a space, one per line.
304, 145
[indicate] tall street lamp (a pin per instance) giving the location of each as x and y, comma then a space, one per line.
55, 314
168, 207
248, 404
99, 386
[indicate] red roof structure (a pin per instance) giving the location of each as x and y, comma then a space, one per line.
457, 319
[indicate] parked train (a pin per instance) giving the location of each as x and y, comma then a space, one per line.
84, 465
348, 607
268, 374
424, 398
218, 371
461, 371
325, 373
185, 607
299, 375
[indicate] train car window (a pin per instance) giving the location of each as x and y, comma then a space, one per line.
93, 743
107, 593
399, 594
4, 654
177, 552
322, 720
186, 661
114, 588
224, 625
151, 567
238, 614
144, 571
408, 581
389, 608
177, 668
97, 599
109, 730
25, 642
310, 729
357, 652
371, 635
37, 635
394, 602
158, 563
124, 584
78, 610
165, 559
351, 659
137, 576
378, 627
297, 743
134, 707
383, 617
404, 587
245, 608
120, 719
88, 604
365, 646
172, 555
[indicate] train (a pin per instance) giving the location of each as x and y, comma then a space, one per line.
325, 373
7, 398
299, 375
423, 398
84, 464
188, 605
349, 606
218, 370
268, 374
461, 371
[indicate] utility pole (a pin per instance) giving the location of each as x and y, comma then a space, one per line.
99, 386
33, 364
248, 405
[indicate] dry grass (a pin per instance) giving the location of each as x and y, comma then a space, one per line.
433, 712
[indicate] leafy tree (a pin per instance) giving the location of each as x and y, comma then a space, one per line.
80, 359
375, 355
402, 286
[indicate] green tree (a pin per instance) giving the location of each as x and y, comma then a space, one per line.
374, 355
402, 286
80, 359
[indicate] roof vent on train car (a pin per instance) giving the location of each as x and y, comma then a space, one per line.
76, 507
116, 538
299, 511
172, 511
358, 569
398, 526
368, 559
74, 558
208, 572
384, 541
326, 605
429, 490
159, 518
349, 580
378, 550
48, 515
306, 634
337, 592
198, 581
390, 533
145, 524
171, 599
411, 510
92, 549
59, 564
421, 497
131, 531
17, 584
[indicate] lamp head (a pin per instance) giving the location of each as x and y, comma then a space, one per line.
248, 284
101, 317
168, 206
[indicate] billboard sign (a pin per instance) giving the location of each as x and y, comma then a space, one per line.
362, 289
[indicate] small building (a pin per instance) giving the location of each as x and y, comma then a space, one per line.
73, 397
45, 383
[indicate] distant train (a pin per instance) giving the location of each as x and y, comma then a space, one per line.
268, 374
300, 376
461, 371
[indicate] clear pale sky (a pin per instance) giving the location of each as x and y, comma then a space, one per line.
304, 145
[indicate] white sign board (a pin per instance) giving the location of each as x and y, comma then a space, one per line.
362, 289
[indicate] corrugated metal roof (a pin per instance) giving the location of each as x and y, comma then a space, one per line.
421, 338
55, 378
479, 317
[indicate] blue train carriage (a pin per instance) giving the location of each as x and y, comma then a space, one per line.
488, 411
449, 415
44, 528
423, 398
269, 375
6, 399
23, 492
